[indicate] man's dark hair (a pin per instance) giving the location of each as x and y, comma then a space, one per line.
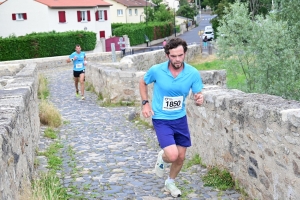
174, 43
77, 45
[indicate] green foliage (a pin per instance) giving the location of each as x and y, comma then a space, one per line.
263, 50
187, 11
54, 162
235, 79
137, 32
48, 187
46, 44
50, 133
196, 160
43, 90
220, 179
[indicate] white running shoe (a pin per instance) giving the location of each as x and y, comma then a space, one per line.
171, 187
82, 98
160, 165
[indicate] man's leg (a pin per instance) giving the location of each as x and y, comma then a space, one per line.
175, 155
82, 84
76, 80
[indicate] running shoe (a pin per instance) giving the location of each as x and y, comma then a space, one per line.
160, 165
77, 93
82, 98
171, 187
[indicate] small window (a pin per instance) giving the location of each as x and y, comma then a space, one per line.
136, 11
83, 16
120, 12
101, 15
130, 12
19, 16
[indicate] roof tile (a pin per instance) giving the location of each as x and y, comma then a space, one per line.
73, 3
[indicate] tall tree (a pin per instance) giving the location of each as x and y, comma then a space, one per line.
262, 50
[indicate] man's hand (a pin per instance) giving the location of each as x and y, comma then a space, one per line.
147, 111
199, 99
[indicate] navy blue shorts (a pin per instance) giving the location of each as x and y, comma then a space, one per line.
171, 132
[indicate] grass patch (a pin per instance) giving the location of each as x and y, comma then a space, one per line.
43, 91
234, 79
50, 133
196, 160
89, 87
117, 104
220, 179
48, 187
141, 123
54, 162
49, 115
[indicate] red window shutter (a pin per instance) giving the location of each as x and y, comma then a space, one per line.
78, 16
102, 34
97, 15
62, 16
89, 15
105, 14
24, 16
14, 17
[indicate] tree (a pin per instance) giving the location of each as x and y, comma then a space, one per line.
159, 12
262, 50
187, 11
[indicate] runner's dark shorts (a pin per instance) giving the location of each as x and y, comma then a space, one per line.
171, 132
77, 73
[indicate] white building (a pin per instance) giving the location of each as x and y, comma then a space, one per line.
20, 17
128, 11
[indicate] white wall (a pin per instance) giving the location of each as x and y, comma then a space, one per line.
72, 24
40, 18
37, 20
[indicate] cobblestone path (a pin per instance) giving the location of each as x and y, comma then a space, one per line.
106, 156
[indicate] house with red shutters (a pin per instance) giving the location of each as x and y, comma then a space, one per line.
20, 17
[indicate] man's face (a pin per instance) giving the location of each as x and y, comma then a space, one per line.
176, 57
78, 49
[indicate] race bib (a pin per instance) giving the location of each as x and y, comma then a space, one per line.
172, 103
79, 65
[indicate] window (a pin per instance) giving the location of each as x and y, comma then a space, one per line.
83, 16
19, 16
101, 15
120, 12
130, 12
61, 16
136, 11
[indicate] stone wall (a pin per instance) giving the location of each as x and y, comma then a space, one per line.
19, 128
255, 136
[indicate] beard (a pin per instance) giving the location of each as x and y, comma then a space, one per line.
176, 65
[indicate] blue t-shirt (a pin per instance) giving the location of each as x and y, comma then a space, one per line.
79, 62
169, 93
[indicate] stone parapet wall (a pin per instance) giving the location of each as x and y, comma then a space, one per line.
19, 130
142, 62
56, 62
255, 136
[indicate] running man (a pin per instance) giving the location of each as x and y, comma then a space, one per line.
172, 81
79, 61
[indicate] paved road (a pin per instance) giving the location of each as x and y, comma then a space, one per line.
106, 156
